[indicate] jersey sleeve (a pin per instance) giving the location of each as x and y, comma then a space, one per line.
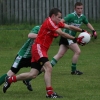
85, 20
61, 25
35, 29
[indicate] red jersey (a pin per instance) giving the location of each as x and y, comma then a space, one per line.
47, 32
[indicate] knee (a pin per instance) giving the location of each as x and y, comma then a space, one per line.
49, 69
32, 75
78, 52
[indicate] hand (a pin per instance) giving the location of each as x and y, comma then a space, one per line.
79, 41
82, 43
84, 30
94, 34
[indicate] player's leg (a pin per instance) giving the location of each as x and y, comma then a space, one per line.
19, 63
26, 62
47, 77
9, 73
14, 69
28, 75
75, 48
62, 50
43, 61
2, 79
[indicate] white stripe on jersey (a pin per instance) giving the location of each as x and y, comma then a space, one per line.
39, 50
52, 23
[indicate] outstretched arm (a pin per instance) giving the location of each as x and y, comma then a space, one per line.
63, 34
71, 27
90, 26
94, 34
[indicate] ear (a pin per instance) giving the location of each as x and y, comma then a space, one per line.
53, 16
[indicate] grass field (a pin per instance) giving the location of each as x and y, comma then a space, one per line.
84, 87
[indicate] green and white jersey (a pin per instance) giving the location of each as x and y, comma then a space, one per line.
25, 50
74, 19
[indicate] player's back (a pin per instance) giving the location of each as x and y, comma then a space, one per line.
25, 50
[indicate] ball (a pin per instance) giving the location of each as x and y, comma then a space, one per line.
86, 38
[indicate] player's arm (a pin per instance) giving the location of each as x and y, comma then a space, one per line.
34, 32
67, 19
32, 35
94, 34
86, 22
63, 34
71, 27
90, 26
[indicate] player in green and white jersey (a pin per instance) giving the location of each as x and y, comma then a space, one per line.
23, 58
76, 18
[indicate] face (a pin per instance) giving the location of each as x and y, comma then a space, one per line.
56, 18
79, 10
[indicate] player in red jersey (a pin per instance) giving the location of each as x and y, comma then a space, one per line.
50, 27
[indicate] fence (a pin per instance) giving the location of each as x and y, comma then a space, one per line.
35, 11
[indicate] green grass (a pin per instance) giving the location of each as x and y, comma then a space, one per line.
84, 87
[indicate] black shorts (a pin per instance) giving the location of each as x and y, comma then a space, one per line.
63, 41
38, 65
19, 63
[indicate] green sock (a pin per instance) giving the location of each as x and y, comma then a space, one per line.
2, 79
73, 67
53, 62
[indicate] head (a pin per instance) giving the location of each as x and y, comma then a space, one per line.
78, 8
55, 15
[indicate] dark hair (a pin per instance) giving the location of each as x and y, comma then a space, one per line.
54, 11
78, 4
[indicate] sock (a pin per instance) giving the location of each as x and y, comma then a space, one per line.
49, 90
53, 62
28, 80
12, 79
73, 67
2, 79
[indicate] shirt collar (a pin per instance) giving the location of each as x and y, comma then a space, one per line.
77, 15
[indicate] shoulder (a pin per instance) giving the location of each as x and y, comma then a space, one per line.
83, 16
69, 16
72, 14
36, 27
